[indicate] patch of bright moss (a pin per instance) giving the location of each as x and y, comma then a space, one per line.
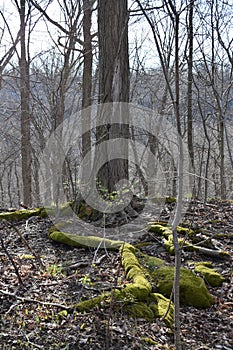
149, 262
170, 200
224, 254
193, 290
185, 231
211, 276
162, 230
27, 256
156, 306
166, 232
140, 288
87, 305
74, 240
22, 214
140, 310
159, 304
149, 341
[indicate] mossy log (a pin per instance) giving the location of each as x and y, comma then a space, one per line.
17, 215
23, 214
144, 273
74, 240
165, 232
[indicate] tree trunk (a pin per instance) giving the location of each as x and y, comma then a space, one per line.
87, 91
25, 111
113, 86
190, 87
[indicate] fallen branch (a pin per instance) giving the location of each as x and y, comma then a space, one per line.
25, 242
30, 300
221, 254
166, 233
12, 261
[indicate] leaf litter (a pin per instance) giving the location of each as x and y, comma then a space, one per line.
33, 311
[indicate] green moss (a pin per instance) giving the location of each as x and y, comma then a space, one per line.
84, 211
84, 241
149, 262
166, 233
27, 256
193, 290
159, 304
185, 231
22, 214
156, 306
140, 310
224, 254
149, 341
211, 276
87, 305
170, 200
162, 230
168, 244
140, 288
140, 269
204, 263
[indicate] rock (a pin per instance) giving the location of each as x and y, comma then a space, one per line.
211, 276
193, 291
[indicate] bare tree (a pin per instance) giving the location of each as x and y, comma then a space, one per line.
25, 105
190, 82
87, 87
113, 82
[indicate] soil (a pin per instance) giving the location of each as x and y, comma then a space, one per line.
35, 292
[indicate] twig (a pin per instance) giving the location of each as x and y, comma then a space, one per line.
25, 242
169, 305
12, 261
33, 344
29, 300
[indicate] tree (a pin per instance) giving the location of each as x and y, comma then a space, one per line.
190, 83
25, 106
87, 88
113, 83
173, 12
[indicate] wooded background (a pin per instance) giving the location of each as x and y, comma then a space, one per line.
177, 61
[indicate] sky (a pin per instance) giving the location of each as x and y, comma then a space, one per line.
40, 39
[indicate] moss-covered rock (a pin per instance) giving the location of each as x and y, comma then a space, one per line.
159, 304
162, 229
165, 232
140, 310
170, 200
211, 276
149, 262
140, 288
74, 240
87, 305
142, 271
22, 214
193, 290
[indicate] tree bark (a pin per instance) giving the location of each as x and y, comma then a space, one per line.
113, 85
87, 90
25, 110
190, 87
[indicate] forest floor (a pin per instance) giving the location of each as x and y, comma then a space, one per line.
30, 303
